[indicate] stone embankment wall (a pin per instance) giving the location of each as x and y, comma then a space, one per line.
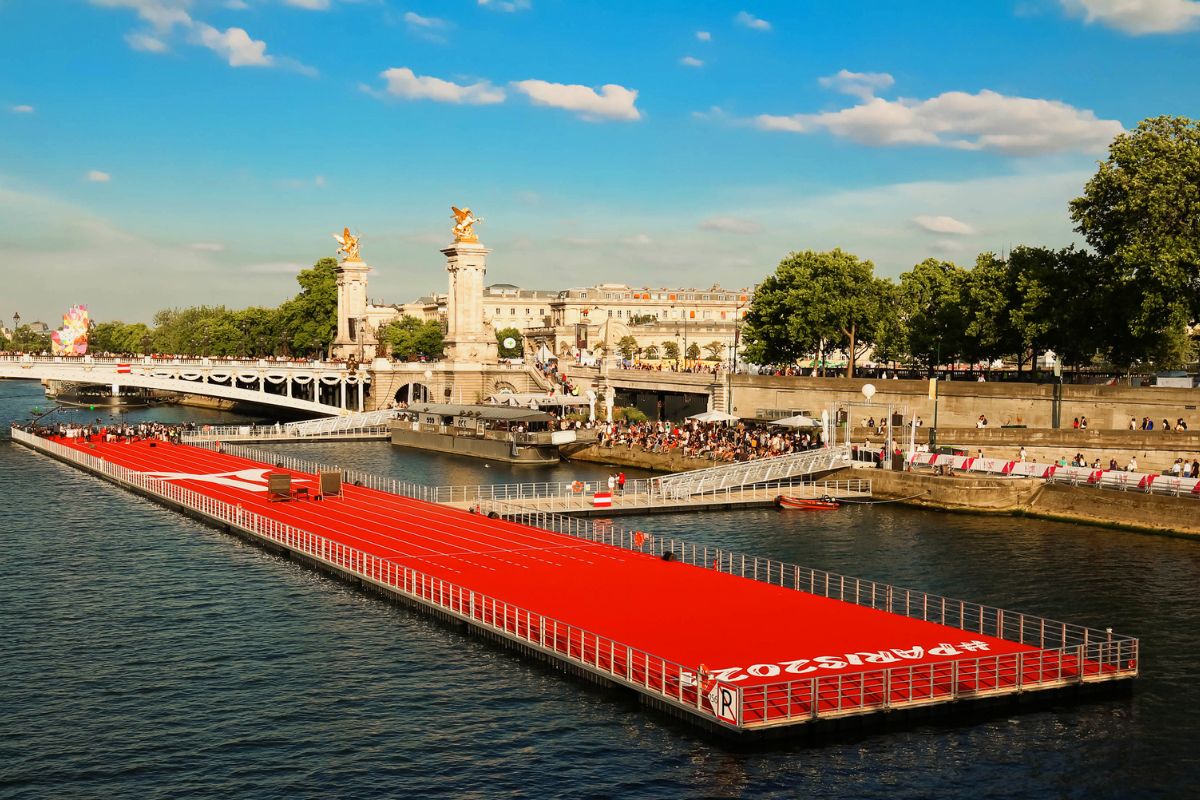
1025, 496
961, 402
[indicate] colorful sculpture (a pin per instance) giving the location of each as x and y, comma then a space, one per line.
71, 339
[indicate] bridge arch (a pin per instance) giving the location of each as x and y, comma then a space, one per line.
412, 393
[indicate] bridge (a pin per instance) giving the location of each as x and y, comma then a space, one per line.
327, 388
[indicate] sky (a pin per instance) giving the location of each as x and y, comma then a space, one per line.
166, 153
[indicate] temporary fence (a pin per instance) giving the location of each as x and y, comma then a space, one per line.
1122, 480
1064, 653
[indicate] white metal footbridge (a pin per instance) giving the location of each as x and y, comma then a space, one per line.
318, 387
363, 425
747, 473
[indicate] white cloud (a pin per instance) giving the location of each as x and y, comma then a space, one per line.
611, 102
402, 82
236, 5
308, 5
207, 247
430, 28
862, 85
235, 46
508, 6
689, 61
729, 224
943, 224
145, 42
712, 114
985, 121
162, 15
638, 240
96, 176
1138, 17
748, 20
22, 109
704, 36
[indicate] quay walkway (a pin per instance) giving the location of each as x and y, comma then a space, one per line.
728, 641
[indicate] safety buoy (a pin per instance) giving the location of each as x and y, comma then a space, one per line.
577, 487
639, 538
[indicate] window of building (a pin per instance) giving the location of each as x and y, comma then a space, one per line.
610, 312
706, 297
512, 312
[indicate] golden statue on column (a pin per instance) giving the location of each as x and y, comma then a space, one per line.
464, 224
349, 245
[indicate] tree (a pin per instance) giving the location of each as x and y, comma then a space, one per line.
813, 297
118, 337
26, 340
991, 293
670, 350
409, 337
693, 351
1141, 212
651, 351
627, 347
310, 318
642, 319
930, 301
509, 352
714, 350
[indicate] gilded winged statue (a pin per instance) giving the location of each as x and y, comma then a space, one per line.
349, 245
464, 222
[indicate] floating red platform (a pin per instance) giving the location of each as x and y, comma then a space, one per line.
739, 652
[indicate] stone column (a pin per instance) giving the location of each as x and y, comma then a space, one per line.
467, 338
351, 309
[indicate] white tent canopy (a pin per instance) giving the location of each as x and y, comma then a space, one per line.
714, 416
798, 421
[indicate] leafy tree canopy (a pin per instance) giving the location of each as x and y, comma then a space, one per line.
410, 338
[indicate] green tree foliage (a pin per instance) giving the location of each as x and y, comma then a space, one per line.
120, 337
1141, 213
811, 298
991, 294
26, 340
627, 347
410, 338
670, 350
651, 351
693, 351
930, 307
714, 350
643, 319
508, 333
310, 318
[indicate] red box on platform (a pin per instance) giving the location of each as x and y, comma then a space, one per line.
602, 499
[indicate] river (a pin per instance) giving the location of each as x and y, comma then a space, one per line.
147, 655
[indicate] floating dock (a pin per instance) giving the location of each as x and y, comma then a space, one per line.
728, 641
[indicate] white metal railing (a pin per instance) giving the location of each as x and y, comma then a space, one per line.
342, 424
683, 484
164, 360
1065, 653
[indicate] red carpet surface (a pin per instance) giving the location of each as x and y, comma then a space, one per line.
747, 632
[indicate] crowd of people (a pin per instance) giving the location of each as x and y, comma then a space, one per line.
710, 440
1147, 424
99, 431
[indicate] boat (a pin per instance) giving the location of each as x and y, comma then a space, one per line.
823, 503
495, 433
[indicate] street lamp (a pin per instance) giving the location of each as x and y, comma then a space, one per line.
16, 321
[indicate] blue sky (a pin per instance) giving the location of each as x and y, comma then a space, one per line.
158, 153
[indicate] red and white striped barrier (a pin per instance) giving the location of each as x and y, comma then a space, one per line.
1148, 482
602, 500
